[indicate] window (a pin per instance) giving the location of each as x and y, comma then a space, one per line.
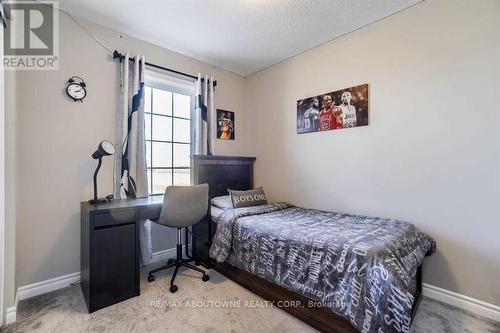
168, 136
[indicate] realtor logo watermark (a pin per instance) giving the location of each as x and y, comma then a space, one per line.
31, 40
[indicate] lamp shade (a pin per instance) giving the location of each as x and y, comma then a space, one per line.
105, 148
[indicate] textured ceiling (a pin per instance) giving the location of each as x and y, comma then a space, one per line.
243, 36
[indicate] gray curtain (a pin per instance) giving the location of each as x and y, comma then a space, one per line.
131, 179
3, 16
204, 115
130, 167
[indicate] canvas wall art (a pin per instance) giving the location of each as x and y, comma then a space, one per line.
225, 125
335, 110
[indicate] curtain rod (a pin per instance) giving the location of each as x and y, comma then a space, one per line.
118, 55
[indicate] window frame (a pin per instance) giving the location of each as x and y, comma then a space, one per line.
155, 80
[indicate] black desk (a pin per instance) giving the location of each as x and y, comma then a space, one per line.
110, 251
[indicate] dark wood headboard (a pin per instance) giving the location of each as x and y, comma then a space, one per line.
223, 172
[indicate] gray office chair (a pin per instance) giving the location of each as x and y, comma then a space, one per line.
182, 207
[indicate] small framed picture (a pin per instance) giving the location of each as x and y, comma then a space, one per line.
225, 125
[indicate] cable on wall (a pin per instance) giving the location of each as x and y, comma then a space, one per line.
82, 27
87, 32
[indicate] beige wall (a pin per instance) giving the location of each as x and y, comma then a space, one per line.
10, 191
55, 137
431, 152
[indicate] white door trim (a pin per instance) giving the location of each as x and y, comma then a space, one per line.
2, 186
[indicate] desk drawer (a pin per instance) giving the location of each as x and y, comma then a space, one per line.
114, 218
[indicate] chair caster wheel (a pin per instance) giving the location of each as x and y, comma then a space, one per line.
205, 278
151, 278
173, 289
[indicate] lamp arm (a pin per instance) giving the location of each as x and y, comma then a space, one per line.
95, 177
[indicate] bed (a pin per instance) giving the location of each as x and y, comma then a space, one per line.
337, 272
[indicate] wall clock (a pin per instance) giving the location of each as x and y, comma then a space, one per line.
76, 88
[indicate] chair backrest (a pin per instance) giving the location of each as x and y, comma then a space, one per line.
184, 205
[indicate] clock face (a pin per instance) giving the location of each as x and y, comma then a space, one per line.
76, 91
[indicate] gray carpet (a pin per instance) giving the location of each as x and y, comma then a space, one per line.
64, 311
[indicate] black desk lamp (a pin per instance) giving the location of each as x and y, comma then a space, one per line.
105, 148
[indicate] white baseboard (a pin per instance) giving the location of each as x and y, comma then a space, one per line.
46, 286
59, 282
10, 315
463, 302
43, 287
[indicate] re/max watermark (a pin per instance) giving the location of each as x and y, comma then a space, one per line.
229, 303
223, 304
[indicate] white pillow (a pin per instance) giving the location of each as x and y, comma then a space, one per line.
223, 202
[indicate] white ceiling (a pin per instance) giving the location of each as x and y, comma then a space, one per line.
243, 36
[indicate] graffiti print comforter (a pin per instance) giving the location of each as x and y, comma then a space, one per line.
358, 266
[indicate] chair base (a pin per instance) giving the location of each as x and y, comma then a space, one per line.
178, 262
